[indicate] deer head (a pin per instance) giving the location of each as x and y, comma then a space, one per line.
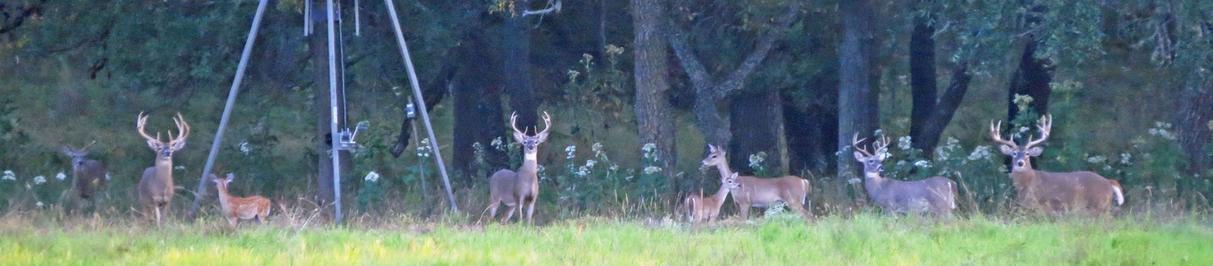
715, 156
731, 182
1020, 155
77, 155
872, 163
221, 183
530, 143
164, 150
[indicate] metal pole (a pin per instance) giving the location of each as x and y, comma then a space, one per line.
227, 108
425, 116
335, 138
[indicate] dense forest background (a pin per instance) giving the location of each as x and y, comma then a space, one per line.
636, 90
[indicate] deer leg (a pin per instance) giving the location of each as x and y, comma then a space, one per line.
530, 211
157, 208
510, 213
743, 209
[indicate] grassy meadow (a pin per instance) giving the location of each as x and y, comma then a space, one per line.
864, 239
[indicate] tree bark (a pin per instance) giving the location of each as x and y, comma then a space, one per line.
516, 63
945, 108
1192, 125
857, 108
1031, 78
654, 115
478, 112
757, 121
922, 76
810, 126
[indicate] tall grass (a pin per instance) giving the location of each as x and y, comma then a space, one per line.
863, 239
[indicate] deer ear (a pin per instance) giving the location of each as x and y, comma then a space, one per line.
519, 136
1035, 151
66, 150
542, 137
1006, 150
711, 148
859, 156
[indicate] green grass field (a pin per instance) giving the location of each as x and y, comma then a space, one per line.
865, 239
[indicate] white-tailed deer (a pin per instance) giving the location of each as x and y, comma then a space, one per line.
706, 209
756, 192
88, 176
237, 208
1054, 192
936, 195
521, 188
156, 186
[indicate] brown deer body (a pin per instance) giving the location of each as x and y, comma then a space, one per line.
757, 192
236, 208
518, 189
88, 176
155, 188
707, 209
1055, 192
935, 195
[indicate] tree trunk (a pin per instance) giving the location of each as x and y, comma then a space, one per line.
1031, 78
810, 127
757, 121
857, 107
654, 115
478, 113
516, 63
1193, 122
945, 108
922, 77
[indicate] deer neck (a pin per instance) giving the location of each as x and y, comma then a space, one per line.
724, 170
1025, 179
530, 166
720, 194
873, 182
164, 169
223, 196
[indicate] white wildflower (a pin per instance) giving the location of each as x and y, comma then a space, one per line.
648, 149
757, 159
371, 177
245, 147
1126, 158
9, 175
61, 176
107, 177
498, 144
853, 181
922, 164
903, 143
597, 148
652, 170
590, 163
1097, 159
981, 152
613, 167
179, 168
38, 180
423, 149
582, 171
570, 152
39, 204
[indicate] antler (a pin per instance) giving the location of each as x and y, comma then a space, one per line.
547, 124
514, 124
882, 144
140, 123
1045, 125
996, 134
183, 130
855, 140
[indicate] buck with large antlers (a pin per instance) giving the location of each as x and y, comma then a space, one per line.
1054, 192
936, 195
521, 188
236, 208
756, 192
706, 209
156, 186
88, 176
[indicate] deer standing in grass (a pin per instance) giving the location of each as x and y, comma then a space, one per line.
936, 195
706, 209
88, 176
156, 186
236, 208
753, 192
516, 189
1054, 192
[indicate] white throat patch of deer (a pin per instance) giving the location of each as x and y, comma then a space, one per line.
235, 208
1054, 192
754, 192
935, 195
156, 186
518, 189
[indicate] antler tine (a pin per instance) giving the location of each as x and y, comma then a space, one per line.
996, 134
855, 140
883, 144
90, 144
514, 122
1045, 125
140, 123
547, 123
183, 129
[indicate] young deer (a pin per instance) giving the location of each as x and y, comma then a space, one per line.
156, 186
936, 195
756, 192
516, 189
706, 209
1054, 192
237, 208
88, 176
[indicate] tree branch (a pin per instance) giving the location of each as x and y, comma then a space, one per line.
686, 58
551, 8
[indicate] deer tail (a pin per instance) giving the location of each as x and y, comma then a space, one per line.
1117, 192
